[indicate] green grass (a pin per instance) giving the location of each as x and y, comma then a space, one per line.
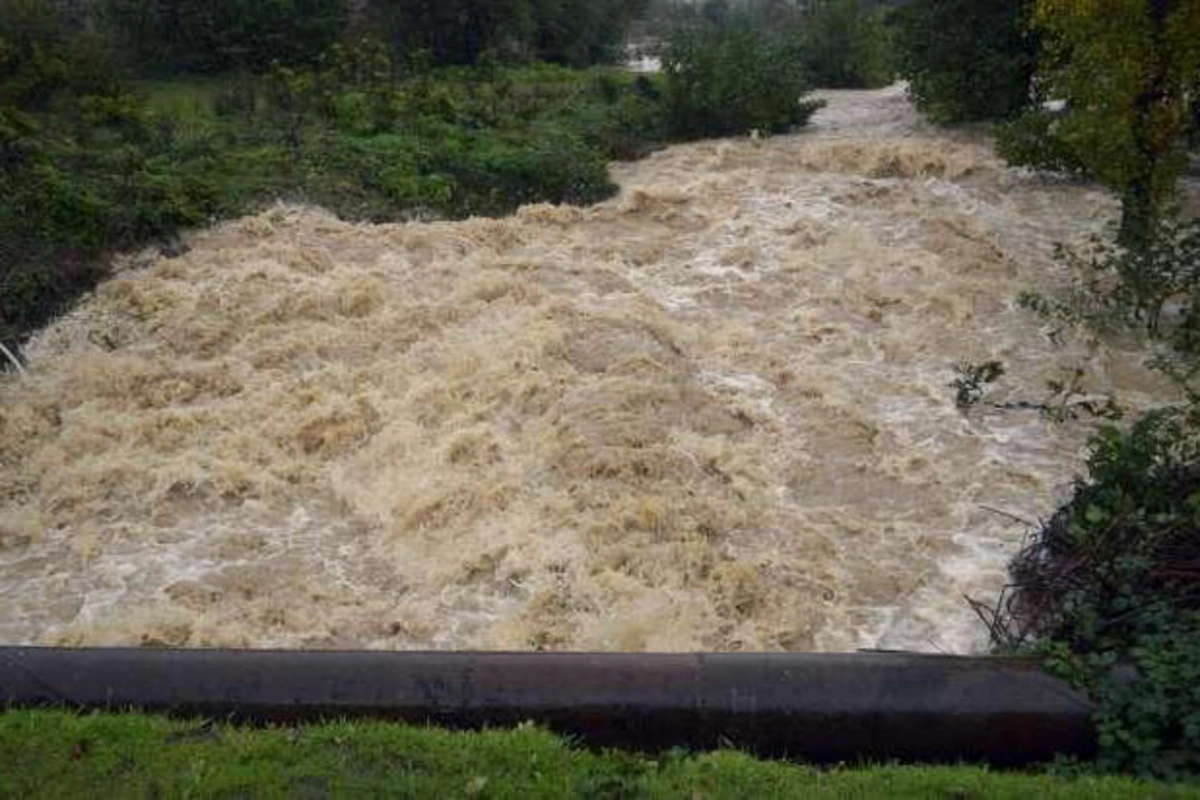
190, 96
59, 754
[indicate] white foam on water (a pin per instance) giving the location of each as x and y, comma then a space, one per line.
710, 414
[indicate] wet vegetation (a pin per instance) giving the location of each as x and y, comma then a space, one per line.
97, 159
836, 44
723, 79
123, 122
966, 60
1107, 588
66, 755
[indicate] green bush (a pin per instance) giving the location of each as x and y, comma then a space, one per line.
845, 46
620, 116
457, 175
43, 55
1155, 286
1107, 592
629, 128
495, 176
965, 60
1033, 140
85, 166
728, 80
77, 190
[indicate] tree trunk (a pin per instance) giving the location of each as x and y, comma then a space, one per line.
1140, 203
1138, 212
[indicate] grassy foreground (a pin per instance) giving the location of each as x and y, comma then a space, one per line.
58, 754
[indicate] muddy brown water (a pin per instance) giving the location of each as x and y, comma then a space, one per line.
710, 414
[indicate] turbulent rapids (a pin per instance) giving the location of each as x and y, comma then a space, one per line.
712, 413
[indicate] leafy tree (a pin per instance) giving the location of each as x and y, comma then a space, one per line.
1127, 69
716, 11
580, 32
966, 60
1194, 134
721, 81
576, 32
217, 35
843, 45
43, 53
455, 31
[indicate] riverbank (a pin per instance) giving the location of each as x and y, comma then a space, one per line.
95, 176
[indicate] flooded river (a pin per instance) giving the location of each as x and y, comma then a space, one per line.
712, 413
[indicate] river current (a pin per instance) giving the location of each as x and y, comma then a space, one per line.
712, 413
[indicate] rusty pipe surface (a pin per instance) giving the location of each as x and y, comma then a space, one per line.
822, 708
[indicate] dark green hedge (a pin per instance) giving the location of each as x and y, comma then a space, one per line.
722, 80
965, 60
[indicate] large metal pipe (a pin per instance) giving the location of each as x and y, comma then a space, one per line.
825, 708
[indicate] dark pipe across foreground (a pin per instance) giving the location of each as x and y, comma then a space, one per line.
826, 708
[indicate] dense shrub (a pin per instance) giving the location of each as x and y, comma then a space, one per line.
965, 60
99, 177
620, 117
1108, 589
1155, 286
491, 175
843, 45
732, 79
1033, 140
360, 134
84, 166
1109, 592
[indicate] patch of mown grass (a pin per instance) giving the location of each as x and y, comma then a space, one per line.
60, 754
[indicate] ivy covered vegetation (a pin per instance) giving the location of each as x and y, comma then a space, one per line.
1106, 592
1108, 588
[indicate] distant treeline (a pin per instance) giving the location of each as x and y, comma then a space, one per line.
190, 36
838, 43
